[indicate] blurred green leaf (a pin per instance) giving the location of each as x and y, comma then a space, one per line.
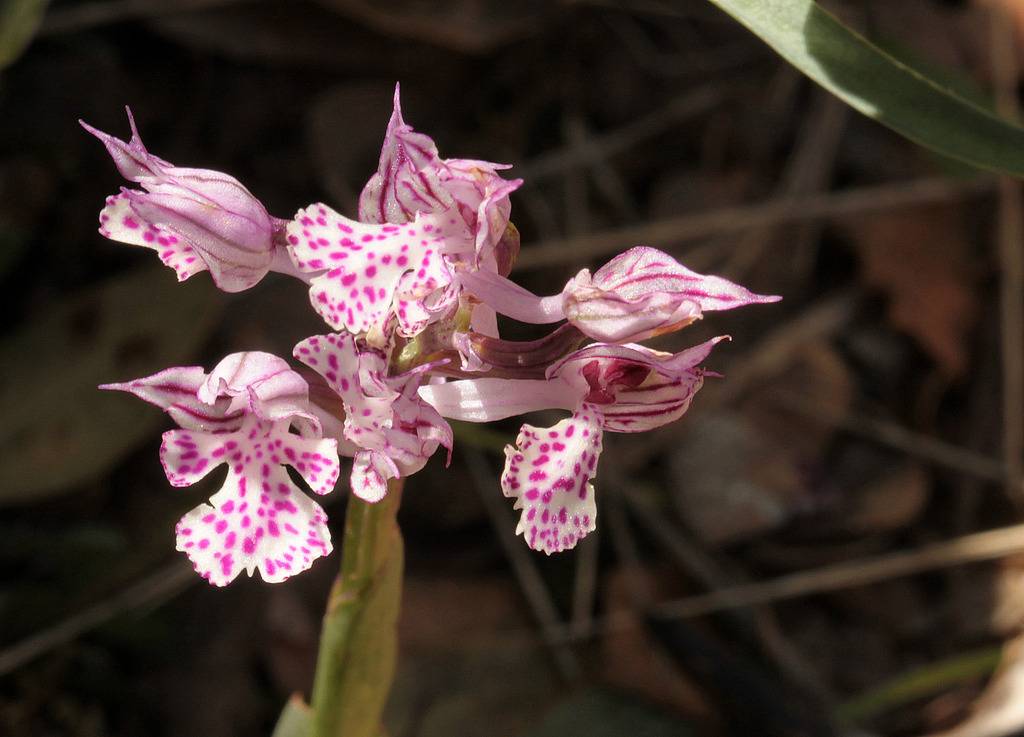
295, 720
19, 21
58, 428
880, 86
920, 682
598, 713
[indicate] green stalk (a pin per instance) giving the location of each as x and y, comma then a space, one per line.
359, 641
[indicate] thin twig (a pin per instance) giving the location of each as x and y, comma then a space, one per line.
530, 581
686, 106
160, 586
893, 435
706, 570
737, 218
809, 170
584, 592
974, 548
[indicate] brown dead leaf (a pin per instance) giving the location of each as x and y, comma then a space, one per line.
634, 662
919, 258
890, 503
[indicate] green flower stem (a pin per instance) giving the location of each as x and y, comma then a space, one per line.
359, 641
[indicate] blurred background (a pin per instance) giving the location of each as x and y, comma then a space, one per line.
862, 424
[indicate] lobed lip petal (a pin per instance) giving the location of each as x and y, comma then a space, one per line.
241, 414
355, 376
360, 265
259, 520
548, 472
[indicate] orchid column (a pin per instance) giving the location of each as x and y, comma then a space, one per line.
410, 291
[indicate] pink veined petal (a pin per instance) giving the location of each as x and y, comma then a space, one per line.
641, 271
656, 402
196, 219
284, 396
360, 265
120, 222
407, 179
241, 216
235, 373
175, 390
131, 158
489, 399
264, 385
237, 253
548, 472
417, 429
259, 520
636, 388
609, 353
606, 317
371, 470
484, 197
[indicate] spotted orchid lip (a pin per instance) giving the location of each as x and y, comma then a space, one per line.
242, 414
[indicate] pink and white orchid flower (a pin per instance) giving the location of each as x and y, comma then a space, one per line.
424, 221
412, 288
394, 430
242, 414
618, 388
195, 219
640, 293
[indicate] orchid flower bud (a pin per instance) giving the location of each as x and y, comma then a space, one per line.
195, 219
640, 293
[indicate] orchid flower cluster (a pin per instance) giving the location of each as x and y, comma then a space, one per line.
410, 292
